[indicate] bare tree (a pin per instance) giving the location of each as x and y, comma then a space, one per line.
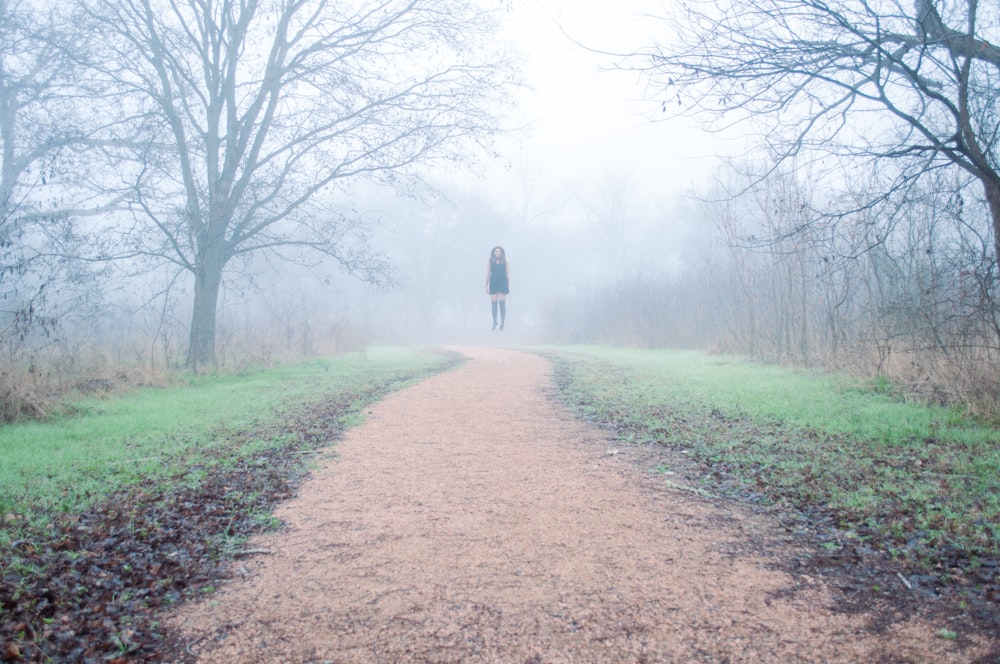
42, 131
917, 83
245, 115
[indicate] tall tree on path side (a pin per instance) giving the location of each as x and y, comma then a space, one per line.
245, 115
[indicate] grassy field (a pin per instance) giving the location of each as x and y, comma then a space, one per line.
185, 475
922, 482
920, 478
100, 446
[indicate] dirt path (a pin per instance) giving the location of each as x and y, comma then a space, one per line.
472, 520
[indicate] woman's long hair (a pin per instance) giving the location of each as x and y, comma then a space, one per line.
503, 255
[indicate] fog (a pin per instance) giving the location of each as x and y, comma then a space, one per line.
577, 237
591, 185
334, 179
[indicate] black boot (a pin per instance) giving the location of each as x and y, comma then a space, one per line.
494, 315
503, 313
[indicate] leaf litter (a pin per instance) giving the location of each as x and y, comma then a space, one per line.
88, 587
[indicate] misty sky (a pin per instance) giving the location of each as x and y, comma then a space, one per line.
590, 128
587, 121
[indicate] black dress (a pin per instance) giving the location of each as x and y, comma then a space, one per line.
498, 278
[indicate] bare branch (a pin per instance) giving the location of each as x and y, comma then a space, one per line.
856, 80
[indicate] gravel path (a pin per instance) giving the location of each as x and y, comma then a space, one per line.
471, 519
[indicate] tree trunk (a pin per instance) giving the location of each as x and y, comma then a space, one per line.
207, 281
992, 189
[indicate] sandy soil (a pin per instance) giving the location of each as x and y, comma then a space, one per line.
472, 519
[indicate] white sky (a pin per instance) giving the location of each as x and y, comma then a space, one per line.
588, 122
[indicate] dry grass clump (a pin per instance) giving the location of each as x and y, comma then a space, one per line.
20, 400
26, 394
966, 380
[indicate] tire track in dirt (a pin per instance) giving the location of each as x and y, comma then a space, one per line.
471, 519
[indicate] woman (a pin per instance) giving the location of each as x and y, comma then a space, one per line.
498, 283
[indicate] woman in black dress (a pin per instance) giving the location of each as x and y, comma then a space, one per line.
498, 283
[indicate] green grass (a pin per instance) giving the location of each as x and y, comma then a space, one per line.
104, 445
922, 480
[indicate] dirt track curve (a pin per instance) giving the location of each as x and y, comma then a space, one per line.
471, 519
